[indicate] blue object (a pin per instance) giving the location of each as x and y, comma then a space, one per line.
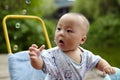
21, 69
115, 76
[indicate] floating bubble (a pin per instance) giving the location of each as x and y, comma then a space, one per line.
15, 47
6, 7
24, 11
17, 25
28, 1
15, 37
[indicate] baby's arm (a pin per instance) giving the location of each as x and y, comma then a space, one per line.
36, 60
104, 66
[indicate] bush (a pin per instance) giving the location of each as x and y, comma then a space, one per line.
105, 31
29, 31
104, 18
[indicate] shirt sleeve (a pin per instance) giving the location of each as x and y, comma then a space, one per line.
48, 62
92, 60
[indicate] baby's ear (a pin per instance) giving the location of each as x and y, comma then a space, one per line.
83, 40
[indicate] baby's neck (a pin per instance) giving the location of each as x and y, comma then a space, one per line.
74, 54
73, 51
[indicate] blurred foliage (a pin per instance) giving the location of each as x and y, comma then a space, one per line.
93, 9
104, 19
30, 31
105, 31
48, 8
23, 33
104, 35
51, 29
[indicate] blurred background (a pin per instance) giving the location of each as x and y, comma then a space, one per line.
104, 16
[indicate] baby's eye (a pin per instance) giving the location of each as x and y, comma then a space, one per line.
58, 29
69, 30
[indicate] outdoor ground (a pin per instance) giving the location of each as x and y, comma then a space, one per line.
4, 73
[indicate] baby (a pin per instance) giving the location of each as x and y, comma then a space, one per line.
68, 61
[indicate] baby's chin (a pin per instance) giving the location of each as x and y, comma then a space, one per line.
66, 50
63, 49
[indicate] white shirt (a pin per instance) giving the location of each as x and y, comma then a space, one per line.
59, 66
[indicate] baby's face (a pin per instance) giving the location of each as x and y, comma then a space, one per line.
69, 33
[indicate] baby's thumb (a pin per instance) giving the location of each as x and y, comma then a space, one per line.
42, 47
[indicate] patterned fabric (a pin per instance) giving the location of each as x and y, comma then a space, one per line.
21, 69
59, 66
115, 76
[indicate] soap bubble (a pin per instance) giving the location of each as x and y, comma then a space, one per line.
24, 11
15, 37
28, 1
17, 25
6, 7
15, 47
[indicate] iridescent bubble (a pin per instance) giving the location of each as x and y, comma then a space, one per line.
24, 11
15, 47
28, 1
17, 25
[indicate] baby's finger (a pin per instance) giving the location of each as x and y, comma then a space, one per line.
31, 49
32, 54
112, 71
34, 45
108, 71
42, 47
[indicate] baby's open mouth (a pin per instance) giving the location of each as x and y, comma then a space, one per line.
61, 41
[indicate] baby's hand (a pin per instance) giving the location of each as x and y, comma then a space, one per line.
35, 51
108, 70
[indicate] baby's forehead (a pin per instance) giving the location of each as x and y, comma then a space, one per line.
74, 17
79, 20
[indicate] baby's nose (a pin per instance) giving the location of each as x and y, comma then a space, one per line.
62, 32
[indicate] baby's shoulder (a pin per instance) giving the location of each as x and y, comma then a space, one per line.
85, 51
50, 51
53, 50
